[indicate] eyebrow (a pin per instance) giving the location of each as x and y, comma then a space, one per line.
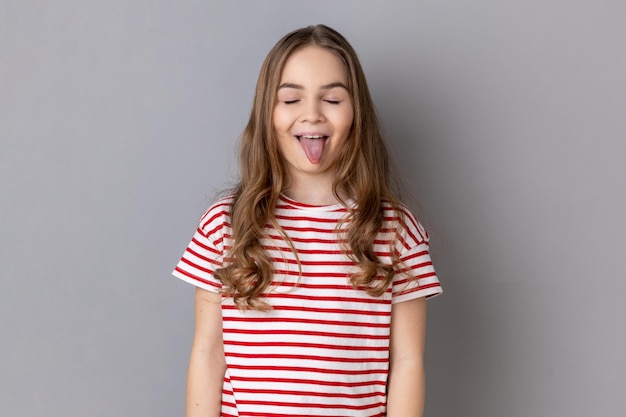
324, 87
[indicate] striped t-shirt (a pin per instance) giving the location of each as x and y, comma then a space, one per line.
324, 348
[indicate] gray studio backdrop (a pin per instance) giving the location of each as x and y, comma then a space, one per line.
118, 124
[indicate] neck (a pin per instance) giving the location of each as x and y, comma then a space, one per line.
315, 192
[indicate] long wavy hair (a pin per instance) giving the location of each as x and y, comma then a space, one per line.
364, 175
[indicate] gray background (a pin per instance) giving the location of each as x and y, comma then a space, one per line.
118, 122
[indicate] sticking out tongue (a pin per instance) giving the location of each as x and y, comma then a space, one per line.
313, 147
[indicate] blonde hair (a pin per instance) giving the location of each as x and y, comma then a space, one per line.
363, 174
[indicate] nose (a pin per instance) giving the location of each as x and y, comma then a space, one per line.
312, 112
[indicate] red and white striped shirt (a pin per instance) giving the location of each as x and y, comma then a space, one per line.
324, 348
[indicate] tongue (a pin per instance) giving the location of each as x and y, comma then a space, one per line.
313, 148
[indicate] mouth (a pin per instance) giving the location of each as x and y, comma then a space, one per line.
313, 145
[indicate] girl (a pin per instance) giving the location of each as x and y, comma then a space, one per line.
311, 277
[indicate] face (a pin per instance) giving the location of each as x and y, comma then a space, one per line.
313, 113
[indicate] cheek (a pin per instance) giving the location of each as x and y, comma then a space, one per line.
281, 120
346, 119
275, 119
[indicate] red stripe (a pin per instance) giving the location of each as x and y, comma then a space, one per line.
308, 321
205, 247
313, 229
306, 345
415, 267
313, 382
346, 287
321, 310
312, 274
327, 298
253, 414
420, 288
308, 333
302, 240
312, 393
322, 251
415, 278
197, 278
415, 255
308, 251
218, 213
314, 263
371, 371
307, 357
196, 266
204, 258
312, 405
296, 204
307, 219
410, 232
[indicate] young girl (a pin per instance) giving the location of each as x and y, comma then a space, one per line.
311, 277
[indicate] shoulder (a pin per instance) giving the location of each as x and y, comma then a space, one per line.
217, 216
400, 218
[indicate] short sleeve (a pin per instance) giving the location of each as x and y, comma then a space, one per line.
415, 275
205, 253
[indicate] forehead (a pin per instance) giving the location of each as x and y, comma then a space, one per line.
313, 65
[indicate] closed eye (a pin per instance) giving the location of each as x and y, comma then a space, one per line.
290, 101
332, 101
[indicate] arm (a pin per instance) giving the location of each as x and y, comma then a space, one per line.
406, 383
206, 363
